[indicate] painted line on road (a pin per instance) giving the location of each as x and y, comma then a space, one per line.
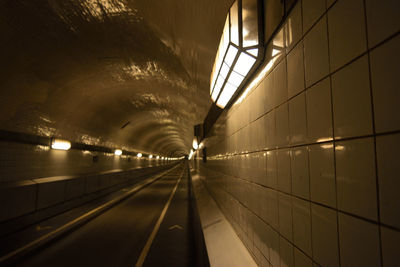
153, 234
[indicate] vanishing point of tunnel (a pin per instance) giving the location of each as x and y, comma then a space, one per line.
199, 133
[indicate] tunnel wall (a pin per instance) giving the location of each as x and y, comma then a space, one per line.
24, 161
305, 166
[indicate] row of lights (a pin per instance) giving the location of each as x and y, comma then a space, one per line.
66, 145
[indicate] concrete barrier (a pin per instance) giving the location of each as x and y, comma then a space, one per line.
26, 202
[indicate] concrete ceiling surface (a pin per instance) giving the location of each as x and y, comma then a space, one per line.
132, 74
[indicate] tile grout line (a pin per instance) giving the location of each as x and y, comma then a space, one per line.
374, 133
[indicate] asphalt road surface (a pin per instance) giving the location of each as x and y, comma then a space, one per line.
119, 236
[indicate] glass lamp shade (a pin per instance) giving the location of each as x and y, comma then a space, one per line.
238, 51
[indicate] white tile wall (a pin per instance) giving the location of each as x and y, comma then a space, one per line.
325, 236
298, 119
388, 176
351, 97
359, 242
312, 10
322, 174
316, 58
295, 70
314, 175
356, 179
319, 112
385, 85
286, 253
382, 20
282, 125
283, 170
346, 22
294, 28
390, 246
285, 216
302, 225
301, 260
299, 172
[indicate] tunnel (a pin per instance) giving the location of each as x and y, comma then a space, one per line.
199, 133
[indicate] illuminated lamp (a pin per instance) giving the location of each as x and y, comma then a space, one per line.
150, 156
240, 50
139, 155
195, 144
60, 144
118, 152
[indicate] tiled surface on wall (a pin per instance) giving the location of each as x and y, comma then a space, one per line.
306, 165
24, 161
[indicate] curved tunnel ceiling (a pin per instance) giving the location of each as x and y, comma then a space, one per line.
131, 74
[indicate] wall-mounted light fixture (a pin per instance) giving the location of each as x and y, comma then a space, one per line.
157, 157
118, 152
195, 144
139, 155
150, 156
60, 144
240, 48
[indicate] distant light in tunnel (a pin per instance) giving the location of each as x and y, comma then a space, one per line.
157, 157
195, 144
191, 154
60, 144
139, 155
118, 152
150, 156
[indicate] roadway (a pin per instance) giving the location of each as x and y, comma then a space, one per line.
150, 228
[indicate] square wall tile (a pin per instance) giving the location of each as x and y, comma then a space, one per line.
269, 92
280, 79
272, 174
319, 112
282, 125
351, 97
322, 174
385, 60
285, 216
316, 57
387, 150
355, 177
299, 172
382, 20
270, 130
283, 170
297, 119
274, 251
302, 225
312, 11
294, 27
273, 208
286, 253
390, 246
359, 242
347, 32
295, 70
301, 260
262, 166
261, 133
324, 236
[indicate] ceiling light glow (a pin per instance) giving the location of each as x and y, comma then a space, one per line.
60, 144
